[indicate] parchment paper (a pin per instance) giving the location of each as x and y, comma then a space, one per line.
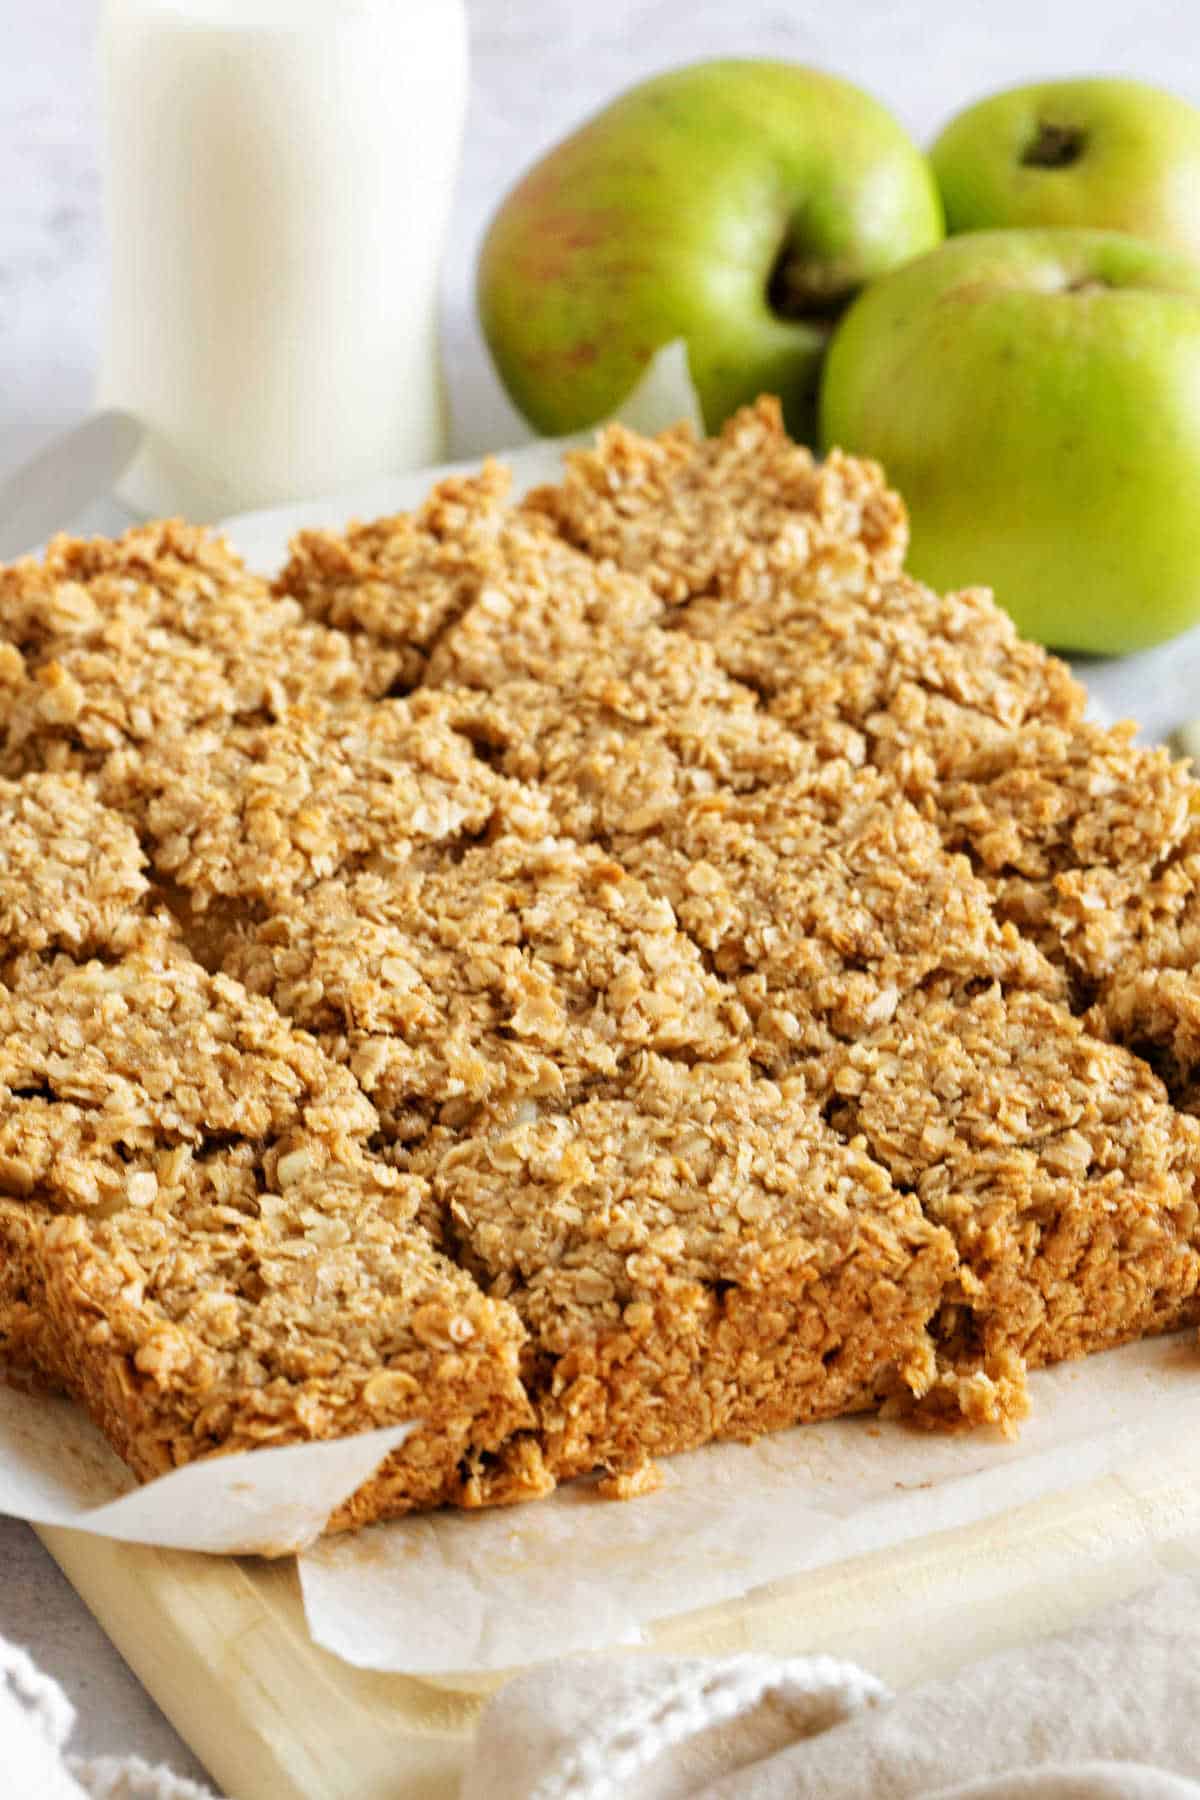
56, 1469
448, 1592
451, 1593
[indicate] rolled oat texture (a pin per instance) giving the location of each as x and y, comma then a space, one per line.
591, 977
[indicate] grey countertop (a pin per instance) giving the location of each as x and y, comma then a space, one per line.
39, 1609
539, 66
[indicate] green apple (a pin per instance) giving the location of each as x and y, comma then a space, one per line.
736, 205
1035, 397
1117, 155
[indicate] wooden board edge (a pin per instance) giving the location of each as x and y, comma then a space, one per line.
221, 1645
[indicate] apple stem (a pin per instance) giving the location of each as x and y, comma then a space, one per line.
800, 287
1054, 147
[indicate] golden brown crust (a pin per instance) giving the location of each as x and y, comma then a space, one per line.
112, 644
1054, 1159
693, 516
242, 1308
1069, 827
396, 583
887, 672
614, 718
815, 901
71, 870
1090, 845
791, 572
262, 812
523, 968
197, 1244
696, 1256
581, 979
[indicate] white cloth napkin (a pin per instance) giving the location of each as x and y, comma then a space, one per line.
1107, 1712
36, 1720
1111, 1709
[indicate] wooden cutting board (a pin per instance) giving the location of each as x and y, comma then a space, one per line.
222, 1646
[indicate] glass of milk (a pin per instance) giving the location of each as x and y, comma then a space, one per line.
279, 181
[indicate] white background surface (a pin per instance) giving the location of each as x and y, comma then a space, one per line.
539, 65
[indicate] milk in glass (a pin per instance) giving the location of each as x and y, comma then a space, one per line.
279, 181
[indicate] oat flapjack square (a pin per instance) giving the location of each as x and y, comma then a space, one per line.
822, 902
521, 969
695, 1254
1055, 1160
261, 812
195, 1240
582, 978
394, 584
106, 645
693, 516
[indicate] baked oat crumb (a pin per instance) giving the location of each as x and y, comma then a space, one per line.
640, 1478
